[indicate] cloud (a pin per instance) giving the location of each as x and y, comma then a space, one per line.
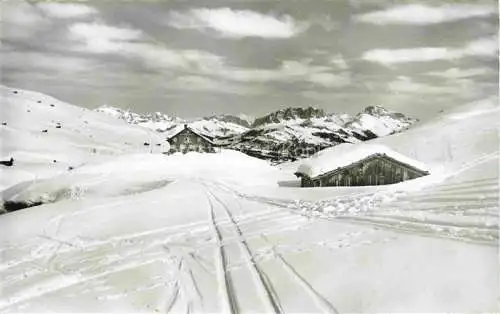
405, 85
67, 10
483, 47
20, 20
486, 46
393, 56
131, 43
237, 23
157, 56
101, 38
339, 61
46, 62
329, 80
200, 83
104, 39
418, 14
456, 73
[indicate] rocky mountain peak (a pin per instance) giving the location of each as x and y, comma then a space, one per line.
290, 113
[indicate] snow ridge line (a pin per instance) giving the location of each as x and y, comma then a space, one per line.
225, 290
322, 303
266, 291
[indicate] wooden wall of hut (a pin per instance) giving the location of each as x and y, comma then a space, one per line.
188, 141
373, 171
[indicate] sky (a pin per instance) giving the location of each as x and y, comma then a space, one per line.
199, 58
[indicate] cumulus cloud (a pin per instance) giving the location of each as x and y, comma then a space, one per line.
44, 62
20, 20
67, 10
101, 38
483, 47
418, 14
393, 56
289, 70
339, 61
237, 23
157, 56
329, 80
486, 46
406, 85
104, 39
456, 73
204, 84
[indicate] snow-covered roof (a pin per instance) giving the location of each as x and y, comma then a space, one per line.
179, 129
345, 154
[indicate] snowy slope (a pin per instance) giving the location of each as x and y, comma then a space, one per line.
226, 233
37, 129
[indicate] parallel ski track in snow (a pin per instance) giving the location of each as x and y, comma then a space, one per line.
265, 291
323, 305
394, 215
320, 301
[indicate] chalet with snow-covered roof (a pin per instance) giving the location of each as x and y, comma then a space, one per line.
358, 165
188, 140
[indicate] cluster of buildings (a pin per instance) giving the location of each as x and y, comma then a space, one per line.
342, 165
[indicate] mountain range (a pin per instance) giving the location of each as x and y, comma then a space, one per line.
288, 133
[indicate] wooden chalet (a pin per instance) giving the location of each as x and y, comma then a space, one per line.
188, 140
358, 165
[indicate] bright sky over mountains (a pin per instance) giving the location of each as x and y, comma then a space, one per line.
192, 58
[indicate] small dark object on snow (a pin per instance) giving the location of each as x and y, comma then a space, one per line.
8, 163
52, 105
58, 126
28, 110
158, 144
54, 161
4, 123
39, 101
15, 92
85, 122
146, 144
44, 131
70, 168
12, 206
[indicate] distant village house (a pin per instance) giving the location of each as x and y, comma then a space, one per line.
188, 140
358, 165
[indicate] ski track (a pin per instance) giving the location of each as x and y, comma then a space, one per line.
323, 305
320, 301
264, 290
225, 286
370, 208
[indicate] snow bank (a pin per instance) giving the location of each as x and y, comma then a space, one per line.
138, 173
345, 154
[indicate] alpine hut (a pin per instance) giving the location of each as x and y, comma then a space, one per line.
188, 140
358, 165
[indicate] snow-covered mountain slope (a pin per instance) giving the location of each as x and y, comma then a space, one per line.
291, 134
226, 233
46, 136
379, 121
156, 121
